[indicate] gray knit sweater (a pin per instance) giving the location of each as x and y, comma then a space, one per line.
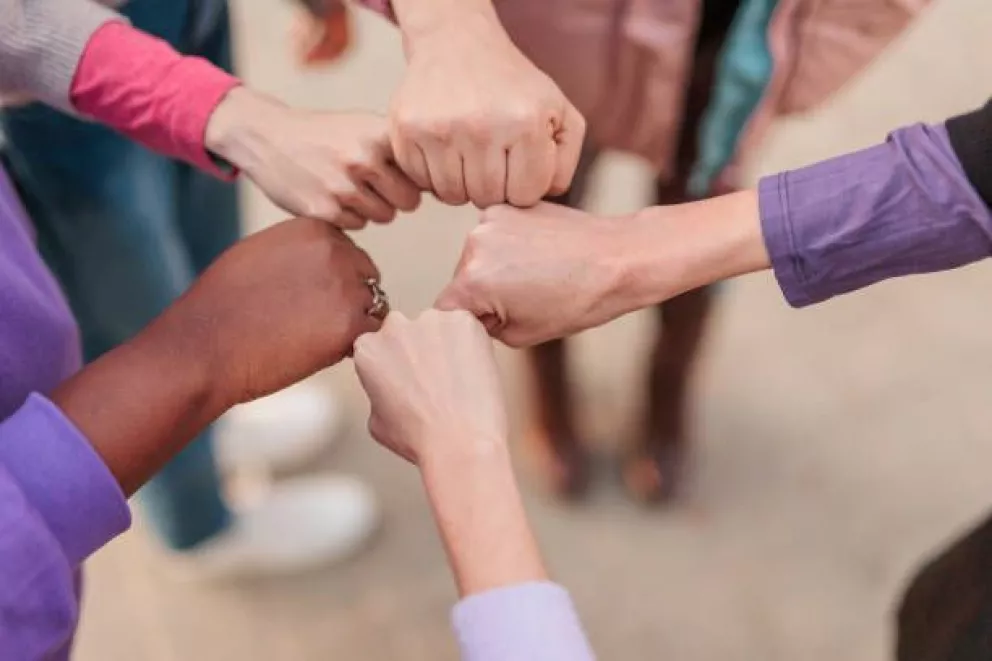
41, 42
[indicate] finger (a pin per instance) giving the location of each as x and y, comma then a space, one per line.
347, 219
485, 178
458, 296
447, 174
529, 170
398, 190
365, 202
569, 140
410, 157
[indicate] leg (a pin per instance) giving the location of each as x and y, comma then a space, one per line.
561, 459
654, 471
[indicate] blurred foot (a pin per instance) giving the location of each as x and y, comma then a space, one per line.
281, 432
561, 465
299, 525
653, 474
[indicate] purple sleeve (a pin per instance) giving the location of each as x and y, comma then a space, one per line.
895, 209
58, 504
527, 622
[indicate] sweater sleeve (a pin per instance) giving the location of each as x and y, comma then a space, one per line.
896, 209
139, 85
526, 622
41, 42
58, 504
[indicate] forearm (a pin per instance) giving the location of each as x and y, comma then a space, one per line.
481, 517
664, 251
140, 404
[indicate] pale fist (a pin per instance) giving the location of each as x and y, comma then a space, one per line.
532, 275
277, 307
475, 121
433, 385
336, 167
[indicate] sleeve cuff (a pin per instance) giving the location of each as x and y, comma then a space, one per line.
137, 84
530, 621
63, 478
773, 205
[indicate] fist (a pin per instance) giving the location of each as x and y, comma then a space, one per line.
532, 275
433, 385
475, 121
336, 167
277, 307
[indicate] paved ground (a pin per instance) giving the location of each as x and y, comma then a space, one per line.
837, 446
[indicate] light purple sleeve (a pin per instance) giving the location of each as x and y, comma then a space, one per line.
895, 209
58, 504
526, 622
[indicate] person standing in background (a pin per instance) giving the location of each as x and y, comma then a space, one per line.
690, 87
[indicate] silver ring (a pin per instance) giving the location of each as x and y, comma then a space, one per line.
380, 300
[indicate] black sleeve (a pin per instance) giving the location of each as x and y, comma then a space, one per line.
971, 138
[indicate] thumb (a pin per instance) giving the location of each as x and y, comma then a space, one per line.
456, 297
569, 139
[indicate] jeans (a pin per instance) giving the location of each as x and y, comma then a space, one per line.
126, 231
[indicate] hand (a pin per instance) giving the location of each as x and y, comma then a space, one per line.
475, 121
336, 167
436, 401
533, 275
433, 386
277, 307
321, 39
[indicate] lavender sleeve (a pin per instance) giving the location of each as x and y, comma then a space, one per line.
899, 208
527, 622
58, 504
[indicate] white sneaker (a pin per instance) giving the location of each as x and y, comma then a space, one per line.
300, 524
281, 432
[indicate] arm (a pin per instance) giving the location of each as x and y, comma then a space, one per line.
436, 401
67, 463
916, 204
508, 610
58, 504
79, 57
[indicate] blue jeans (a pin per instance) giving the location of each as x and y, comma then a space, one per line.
126, 231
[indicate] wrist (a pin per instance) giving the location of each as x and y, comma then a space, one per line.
423, 21
480, 515
141, 403
671, 250
239, 127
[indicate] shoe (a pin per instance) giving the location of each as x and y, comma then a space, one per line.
281, 432
300, 524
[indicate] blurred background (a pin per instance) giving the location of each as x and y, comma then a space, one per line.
836, 447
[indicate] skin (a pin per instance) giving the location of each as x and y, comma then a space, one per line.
272, 310
337, 167
474, 120
533, 275
436, 401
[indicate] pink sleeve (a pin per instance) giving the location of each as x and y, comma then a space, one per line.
137, 84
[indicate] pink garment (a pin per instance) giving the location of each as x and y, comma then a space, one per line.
624, 63
138, 85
